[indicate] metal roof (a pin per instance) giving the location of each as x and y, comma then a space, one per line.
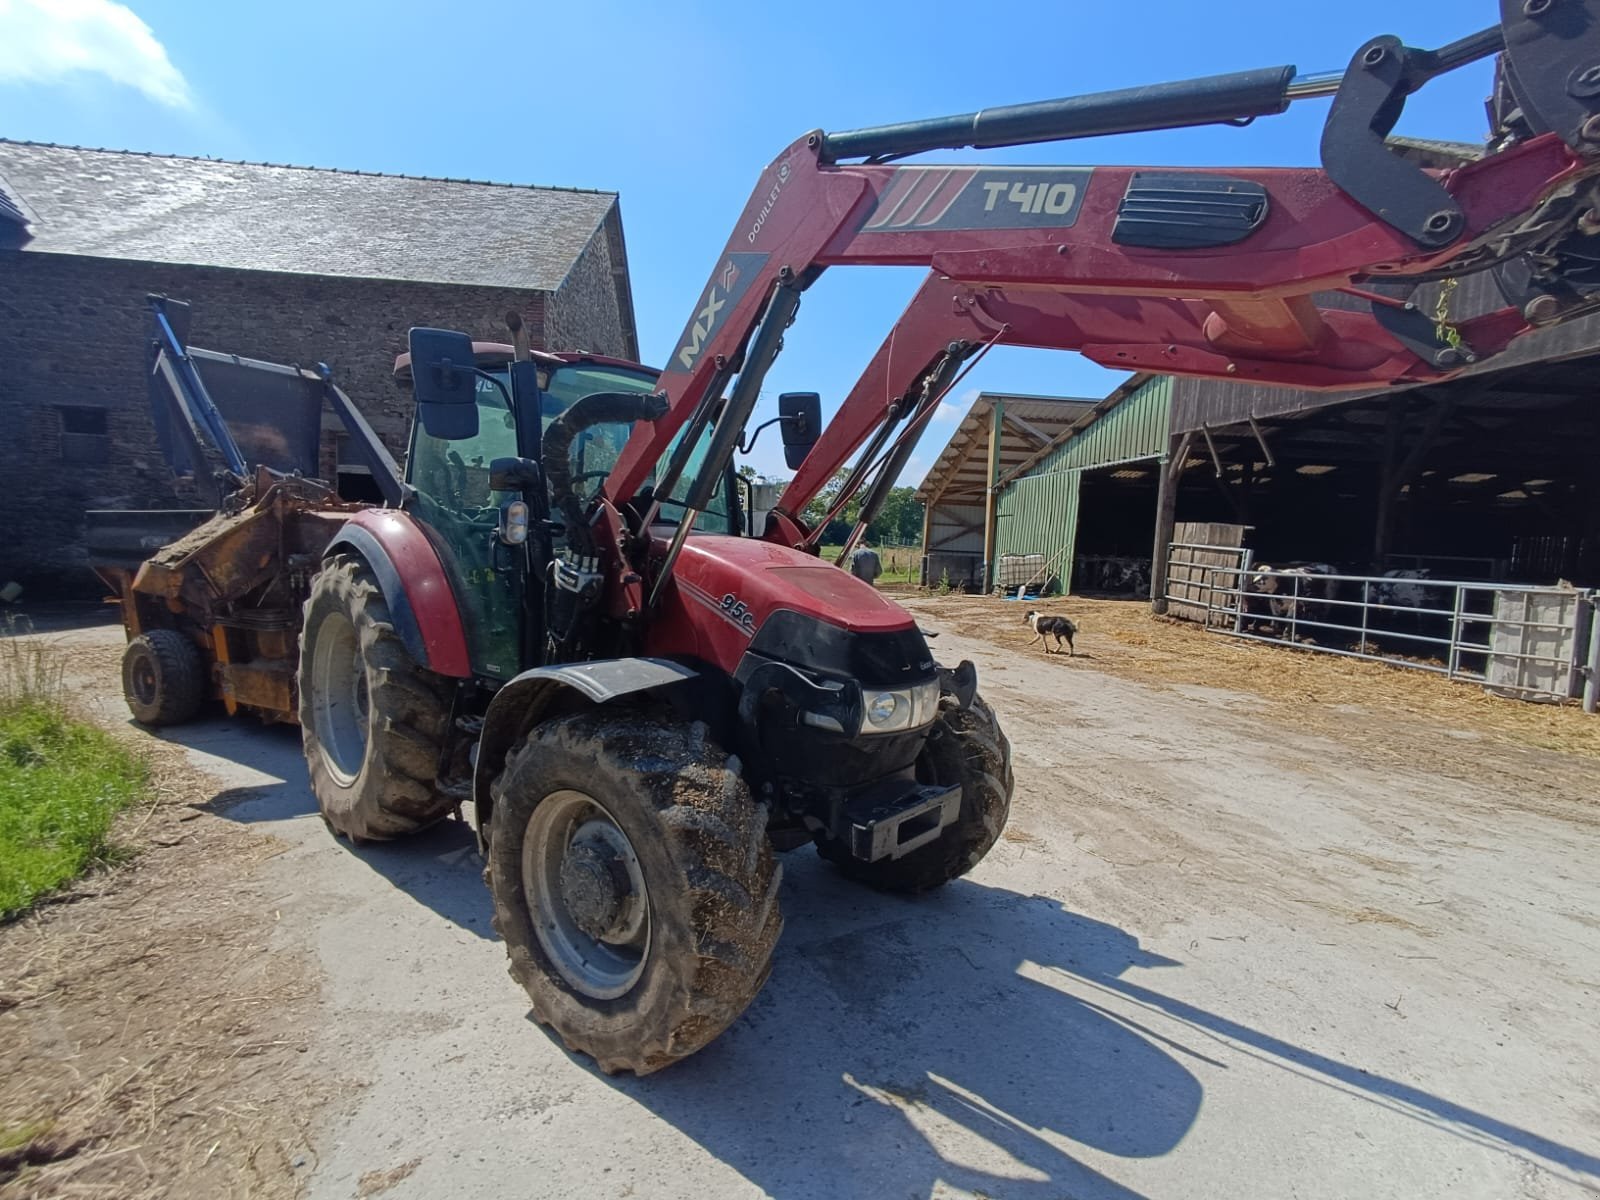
299, 220
1032, 423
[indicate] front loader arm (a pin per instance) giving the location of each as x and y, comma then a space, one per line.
1211, 272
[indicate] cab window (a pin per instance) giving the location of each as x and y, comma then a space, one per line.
455, 474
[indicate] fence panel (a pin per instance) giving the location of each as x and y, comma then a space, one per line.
1529, 642
1199, 548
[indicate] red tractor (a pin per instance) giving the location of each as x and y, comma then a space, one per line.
563, 618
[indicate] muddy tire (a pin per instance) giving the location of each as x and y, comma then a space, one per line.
965, 747
633, 884
163, 678
371, 720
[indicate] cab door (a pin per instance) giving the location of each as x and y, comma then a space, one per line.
462, 512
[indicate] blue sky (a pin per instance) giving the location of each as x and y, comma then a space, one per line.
677, 106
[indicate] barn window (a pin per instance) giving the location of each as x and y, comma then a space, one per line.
84, 435
81, 419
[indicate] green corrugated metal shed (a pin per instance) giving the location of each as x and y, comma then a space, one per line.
1134, 427
1037, 512
1039, 515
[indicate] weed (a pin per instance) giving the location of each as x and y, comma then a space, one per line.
62, 781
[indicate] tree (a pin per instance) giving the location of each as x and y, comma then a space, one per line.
899, 522
839, 528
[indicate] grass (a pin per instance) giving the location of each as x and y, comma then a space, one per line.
14, 1137
62, 781
901, 564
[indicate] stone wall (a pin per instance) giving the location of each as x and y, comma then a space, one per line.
592, 309
73, 333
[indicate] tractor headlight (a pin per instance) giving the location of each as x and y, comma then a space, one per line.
899, 709
882, 708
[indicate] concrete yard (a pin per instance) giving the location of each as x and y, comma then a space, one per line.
1218, 953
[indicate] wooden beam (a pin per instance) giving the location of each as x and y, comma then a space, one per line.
927, 526
948, 538
1261, 440
991, 492
1395, 472
1216, 459
1031, 431
1166, 520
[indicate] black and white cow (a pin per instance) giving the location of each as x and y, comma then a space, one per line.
1288, 601
1404, 609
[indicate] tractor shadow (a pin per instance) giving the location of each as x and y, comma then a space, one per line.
899, 1051
974, 1041
438, 867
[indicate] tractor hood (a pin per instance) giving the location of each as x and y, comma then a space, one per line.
725, 590
768, 577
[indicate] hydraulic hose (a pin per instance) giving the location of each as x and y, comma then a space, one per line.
597, 408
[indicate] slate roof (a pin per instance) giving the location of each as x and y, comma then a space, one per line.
300, 220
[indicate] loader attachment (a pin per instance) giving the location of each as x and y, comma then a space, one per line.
219, 417
222, 587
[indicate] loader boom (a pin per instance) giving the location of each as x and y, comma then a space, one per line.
1208, 272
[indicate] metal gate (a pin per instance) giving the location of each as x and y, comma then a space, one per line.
1202, 554
1537, 643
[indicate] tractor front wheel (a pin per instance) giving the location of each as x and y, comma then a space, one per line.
633, 884
965, 747
372, 721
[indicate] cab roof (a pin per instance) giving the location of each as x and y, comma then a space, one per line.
496, 354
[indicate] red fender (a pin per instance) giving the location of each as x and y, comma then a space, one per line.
415, 585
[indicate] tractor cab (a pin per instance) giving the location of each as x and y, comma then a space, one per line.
476, 485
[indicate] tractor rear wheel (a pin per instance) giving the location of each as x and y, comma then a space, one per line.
633, 884
163, 677
372, 721
966, 747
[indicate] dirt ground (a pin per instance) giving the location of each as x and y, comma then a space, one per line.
1456, 728
154, 1037
1262, 924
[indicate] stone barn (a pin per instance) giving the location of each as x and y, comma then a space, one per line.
290, 264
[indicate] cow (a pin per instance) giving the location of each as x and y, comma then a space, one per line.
1293, 599
1114, 575
1404, 610
865, 565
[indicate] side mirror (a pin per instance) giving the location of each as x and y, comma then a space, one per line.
445, 383
800, 419
513, 474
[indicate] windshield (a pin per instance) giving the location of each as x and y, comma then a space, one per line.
596, 449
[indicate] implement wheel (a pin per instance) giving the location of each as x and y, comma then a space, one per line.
371, 720
965, 747
633, 884
163, 678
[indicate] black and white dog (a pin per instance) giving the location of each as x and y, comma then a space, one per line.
1059, 628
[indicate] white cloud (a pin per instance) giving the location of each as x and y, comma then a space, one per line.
48, 41
954, 410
